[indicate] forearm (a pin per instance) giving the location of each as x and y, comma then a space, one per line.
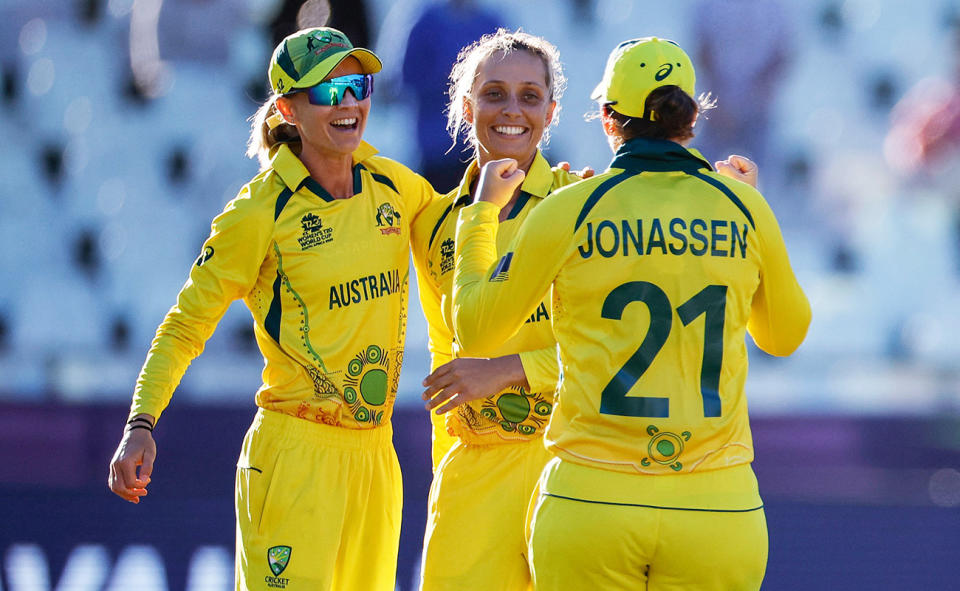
179, 340
476, 255
510, 368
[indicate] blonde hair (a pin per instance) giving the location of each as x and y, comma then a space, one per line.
464, 74
266, 132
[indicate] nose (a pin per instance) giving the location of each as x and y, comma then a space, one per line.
348, 99
512, 106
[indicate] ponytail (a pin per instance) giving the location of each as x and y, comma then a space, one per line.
668, 114
267, 129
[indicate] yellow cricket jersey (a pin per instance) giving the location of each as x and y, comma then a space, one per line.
514, 414
325, 280
659, 266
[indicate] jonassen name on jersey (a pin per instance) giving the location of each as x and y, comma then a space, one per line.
717, 238
361, 289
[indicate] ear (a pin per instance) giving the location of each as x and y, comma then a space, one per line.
467, 110
550, 111
285, 107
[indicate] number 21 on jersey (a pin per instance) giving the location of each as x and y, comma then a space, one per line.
711, 301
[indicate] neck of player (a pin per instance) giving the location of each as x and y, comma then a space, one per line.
333, 171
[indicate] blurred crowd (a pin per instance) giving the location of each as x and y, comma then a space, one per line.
125, 123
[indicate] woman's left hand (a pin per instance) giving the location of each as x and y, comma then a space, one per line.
498, 180
740, 168
465, 379
584, 173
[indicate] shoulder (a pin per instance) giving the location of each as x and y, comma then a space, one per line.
744, 193
578, 190
399, 175
568, 204
751, 203
261, 193
562, 178
438, 217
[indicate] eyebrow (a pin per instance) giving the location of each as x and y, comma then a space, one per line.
532, 82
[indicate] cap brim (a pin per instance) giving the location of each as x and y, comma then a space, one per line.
598, 92
369, 64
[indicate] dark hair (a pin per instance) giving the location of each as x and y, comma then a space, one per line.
669, 114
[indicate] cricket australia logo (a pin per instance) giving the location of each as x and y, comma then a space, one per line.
388, 219
277, 558
314, 233
320, 41
447, 248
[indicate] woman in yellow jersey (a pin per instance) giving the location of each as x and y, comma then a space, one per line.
503, 97
504, 92
658, 268
317, 247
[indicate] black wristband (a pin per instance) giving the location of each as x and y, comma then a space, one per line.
139, 419
147, 427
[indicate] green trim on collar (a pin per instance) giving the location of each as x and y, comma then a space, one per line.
311, 184
288, 165
646, 155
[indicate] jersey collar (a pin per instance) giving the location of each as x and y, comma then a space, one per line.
646, 155
538, 182
295, 175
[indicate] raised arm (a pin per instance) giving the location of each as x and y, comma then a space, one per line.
492, 294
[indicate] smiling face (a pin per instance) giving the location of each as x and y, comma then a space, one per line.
509, 106
330, 131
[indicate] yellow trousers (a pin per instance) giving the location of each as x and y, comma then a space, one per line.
475, 538
596, 529
318, 507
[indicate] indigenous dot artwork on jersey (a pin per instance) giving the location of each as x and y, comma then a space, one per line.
511, 414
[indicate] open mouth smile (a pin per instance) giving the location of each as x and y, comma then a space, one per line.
345, 123
509, 130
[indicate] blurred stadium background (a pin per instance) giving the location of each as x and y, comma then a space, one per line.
123, 125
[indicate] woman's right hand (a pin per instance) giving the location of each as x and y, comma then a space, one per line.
137, 448
498, 180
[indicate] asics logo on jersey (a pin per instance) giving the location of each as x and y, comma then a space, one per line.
205, 255
664, 71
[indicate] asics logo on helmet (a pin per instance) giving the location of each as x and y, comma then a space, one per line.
664, 71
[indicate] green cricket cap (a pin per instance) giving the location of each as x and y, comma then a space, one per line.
309, 55
637, 67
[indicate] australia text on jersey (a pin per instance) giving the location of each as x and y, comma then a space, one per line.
717, 238
361, 289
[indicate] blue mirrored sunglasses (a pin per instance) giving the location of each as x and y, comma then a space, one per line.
332, 92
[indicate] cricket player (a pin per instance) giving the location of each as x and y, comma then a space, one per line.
317, 247
658, 268
489, 454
